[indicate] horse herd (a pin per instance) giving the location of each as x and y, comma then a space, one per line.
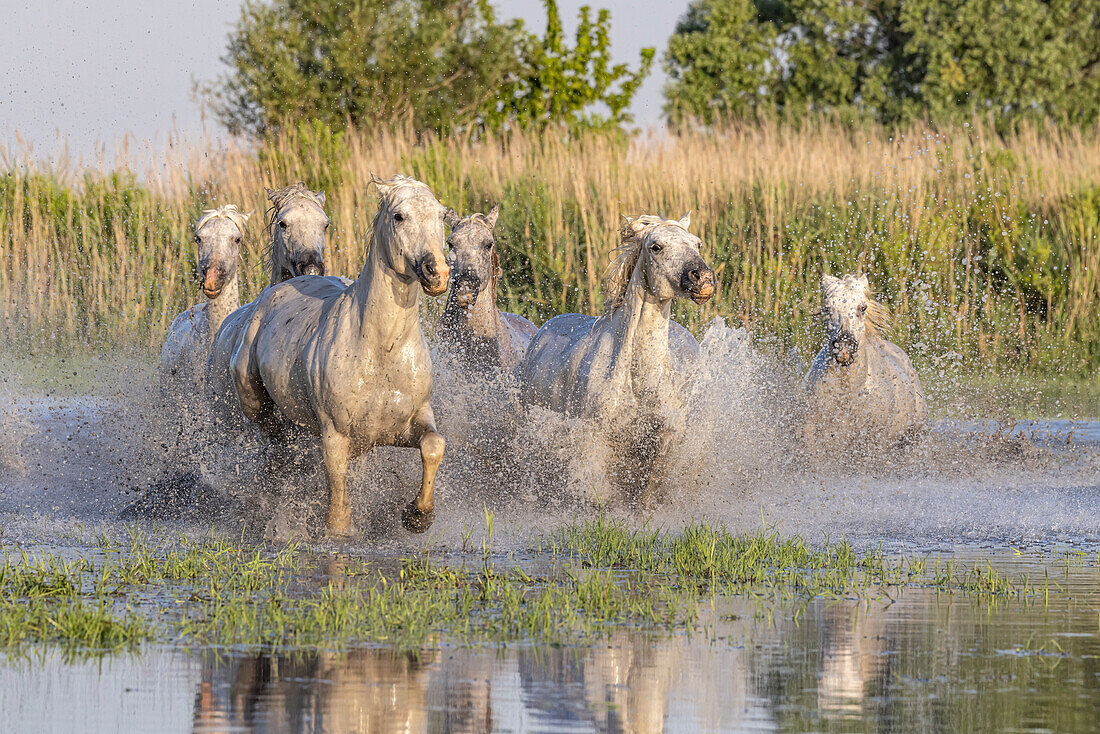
346, 361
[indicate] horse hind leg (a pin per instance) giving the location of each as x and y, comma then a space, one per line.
418, 515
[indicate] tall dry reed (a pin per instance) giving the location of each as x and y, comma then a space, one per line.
986, 247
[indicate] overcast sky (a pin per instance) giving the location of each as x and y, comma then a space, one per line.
87, 71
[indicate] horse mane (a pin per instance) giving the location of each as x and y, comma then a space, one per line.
631, 235
228, 211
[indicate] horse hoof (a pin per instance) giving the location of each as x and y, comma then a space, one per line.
416, 521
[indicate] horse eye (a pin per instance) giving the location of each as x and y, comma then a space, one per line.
398, 217
282, 224
863, 308
238, 240
657, 246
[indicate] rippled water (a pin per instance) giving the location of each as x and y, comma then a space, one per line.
1018, 493
922, 661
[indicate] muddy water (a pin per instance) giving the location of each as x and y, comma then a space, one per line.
73, 452
922, 661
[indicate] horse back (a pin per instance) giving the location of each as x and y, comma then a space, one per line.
548, 368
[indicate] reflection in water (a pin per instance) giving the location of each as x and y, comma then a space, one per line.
364, 690
923, 662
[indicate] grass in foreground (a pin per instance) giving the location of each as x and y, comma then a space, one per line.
593, 578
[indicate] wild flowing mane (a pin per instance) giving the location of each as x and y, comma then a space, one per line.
626, 256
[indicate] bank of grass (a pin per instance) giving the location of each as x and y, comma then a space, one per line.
984, 246
582, 584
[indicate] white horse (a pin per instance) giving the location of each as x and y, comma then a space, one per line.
471, 325
350, 364
863, 389
298, 225
622, 367
218, 237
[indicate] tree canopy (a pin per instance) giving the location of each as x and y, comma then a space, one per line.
889, 60
439, 66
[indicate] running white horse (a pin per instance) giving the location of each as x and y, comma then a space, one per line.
472, 326
863, 389
623, 367
349, 363
218, 236
298, 225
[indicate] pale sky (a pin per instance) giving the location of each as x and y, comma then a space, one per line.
87, 71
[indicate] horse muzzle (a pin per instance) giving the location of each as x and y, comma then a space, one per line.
844, 350
309, 266
213, 281
699, 283
434, 275
465, 290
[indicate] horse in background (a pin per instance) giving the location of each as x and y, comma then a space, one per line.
297, 224
218, 236
864, 394
349, 364
625, 368
471, 327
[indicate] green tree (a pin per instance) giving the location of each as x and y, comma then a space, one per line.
889, 60
440, 66
578, 87
432, 64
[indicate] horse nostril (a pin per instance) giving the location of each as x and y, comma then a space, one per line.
429, 268
694, 275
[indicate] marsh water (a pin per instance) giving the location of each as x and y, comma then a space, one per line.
1021, 495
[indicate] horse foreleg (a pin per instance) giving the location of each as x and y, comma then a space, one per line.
651, 492
418, 515
336, 448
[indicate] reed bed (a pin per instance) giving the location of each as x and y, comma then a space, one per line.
985, 246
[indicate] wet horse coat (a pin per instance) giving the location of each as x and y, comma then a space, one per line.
472, 327
622, 368
863, 389
350, 364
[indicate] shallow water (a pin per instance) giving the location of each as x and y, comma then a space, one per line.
1019, 493
921, 661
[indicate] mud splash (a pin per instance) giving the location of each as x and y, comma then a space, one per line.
73, 459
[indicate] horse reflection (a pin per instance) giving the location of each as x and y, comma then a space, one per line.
364, 690
619, 687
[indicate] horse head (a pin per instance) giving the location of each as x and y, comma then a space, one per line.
298, 227
217, 246
844, 311
409, 228
665, 255
473, 258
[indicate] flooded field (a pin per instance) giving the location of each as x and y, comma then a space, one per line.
955, 589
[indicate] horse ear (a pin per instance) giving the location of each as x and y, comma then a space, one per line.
828, 282
451, 218
491, 217
246, 215
270, 194
320, 196
863, 283
685, 221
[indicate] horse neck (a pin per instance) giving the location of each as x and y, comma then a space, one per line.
228, 301
387, 306
640, 327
